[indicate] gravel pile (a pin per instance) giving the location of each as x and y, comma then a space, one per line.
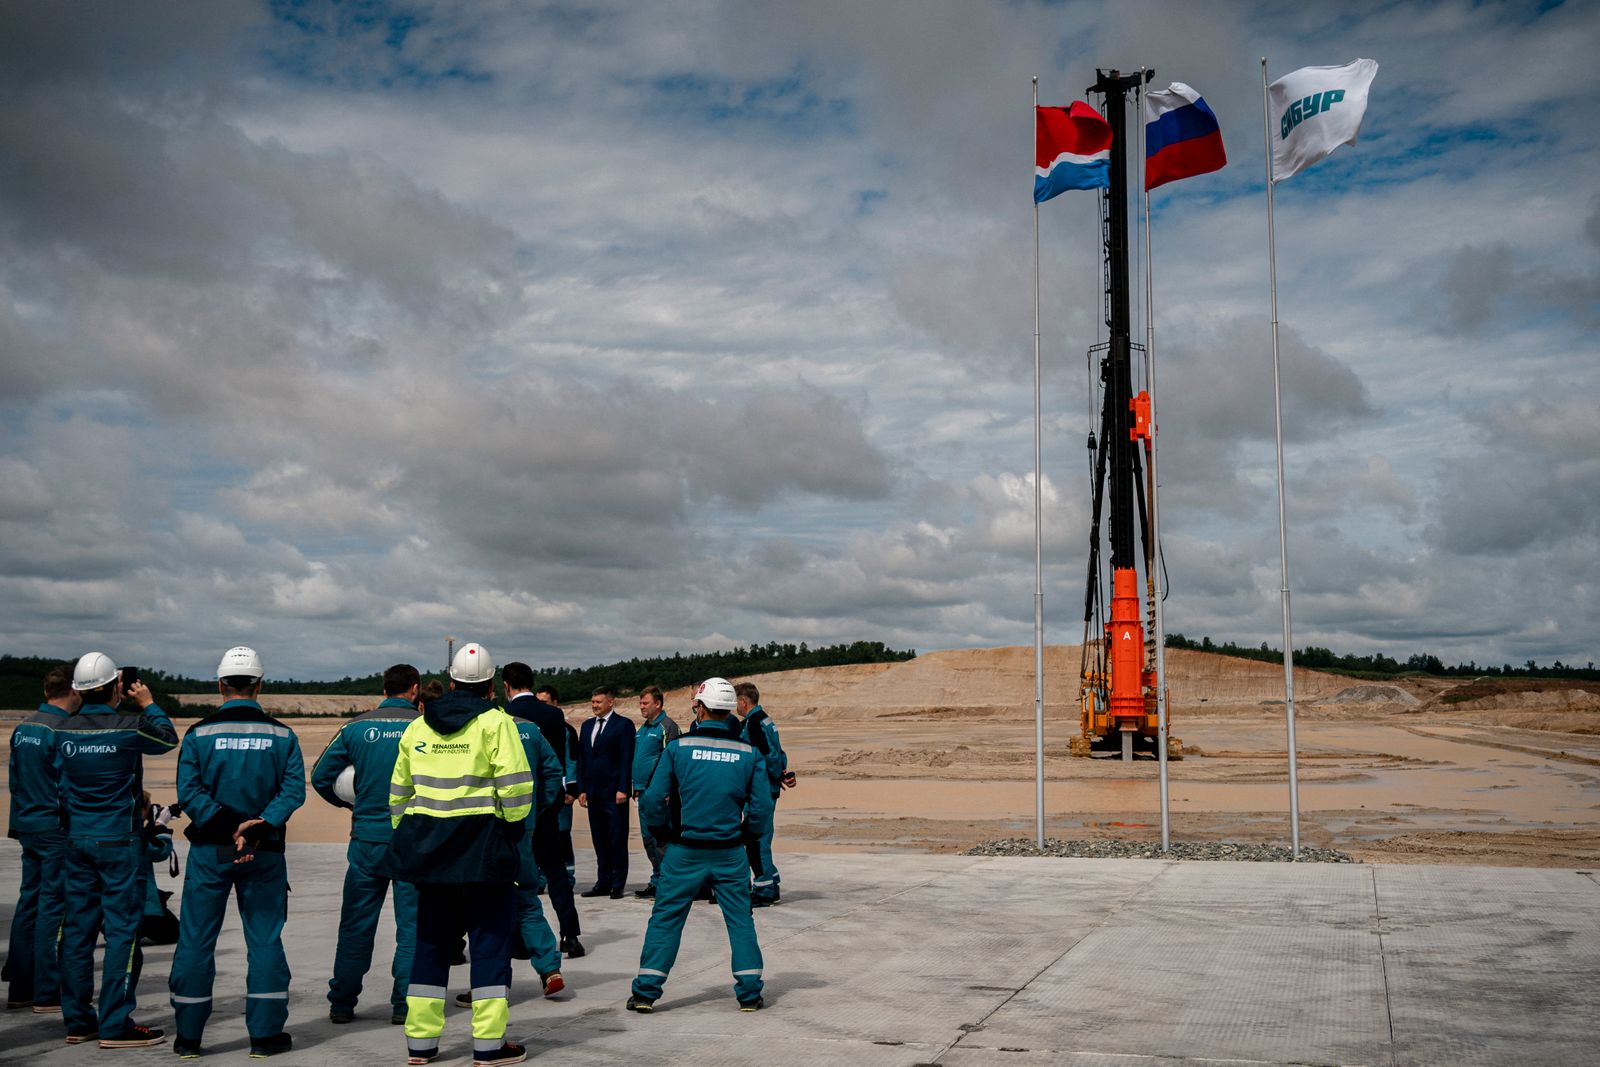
1151, 850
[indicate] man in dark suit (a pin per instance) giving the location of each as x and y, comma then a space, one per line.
521, 703
605, 782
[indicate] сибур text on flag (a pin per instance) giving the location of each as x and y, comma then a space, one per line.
1072, 150
1181, 136
1314, 110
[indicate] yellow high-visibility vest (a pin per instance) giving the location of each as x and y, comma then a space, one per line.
480, 769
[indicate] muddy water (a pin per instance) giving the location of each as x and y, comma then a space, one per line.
948, 783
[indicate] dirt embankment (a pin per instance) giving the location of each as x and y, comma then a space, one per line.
938, 753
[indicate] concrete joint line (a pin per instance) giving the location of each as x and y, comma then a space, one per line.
1383, 963
972, 1028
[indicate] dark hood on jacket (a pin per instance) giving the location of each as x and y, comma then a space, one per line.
455, 709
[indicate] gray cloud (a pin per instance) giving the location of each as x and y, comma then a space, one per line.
608, 328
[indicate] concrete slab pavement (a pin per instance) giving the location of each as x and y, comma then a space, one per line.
908, 959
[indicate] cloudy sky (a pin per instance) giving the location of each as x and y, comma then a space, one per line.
591, 330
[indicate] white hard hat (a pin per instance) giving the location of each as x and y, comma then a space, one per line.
717, 694
344, 786
94, 670
240, 661
472, 663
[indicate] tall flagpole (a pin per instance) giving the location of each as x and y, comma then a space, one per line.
1038, 543
1283, 537
1156, 576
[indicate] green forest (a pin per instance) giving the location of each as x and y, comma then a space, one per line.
20, 676
1379, 665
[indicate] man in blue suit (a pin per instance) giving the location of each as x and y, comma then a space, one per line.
605, 782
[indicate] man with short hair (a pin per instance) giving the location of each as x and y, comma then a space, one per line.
605, 769
757, 728
708, 792
33, 960
366, 747
240, 777
459, 800
99, 761
655, 730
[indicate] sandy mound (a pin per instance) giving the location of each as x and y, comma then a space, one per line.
1372, 694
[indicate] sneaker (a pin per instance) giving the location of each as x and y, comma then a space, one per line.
646, 893
397, 1019
595, 891
752, 1005
47, 1009
134, 1036
572, 947
553, 983
464, 1000
78, 1037
508, 1053
262, 1047
341, 1016
641, 1005
417, 1058
763, 902
186, 1049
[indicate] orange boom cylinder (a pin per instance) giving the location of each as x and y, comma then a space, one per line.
1125, 635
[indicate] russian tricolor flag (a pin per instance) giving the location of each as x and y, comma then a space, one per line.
1072, 150
1181, 136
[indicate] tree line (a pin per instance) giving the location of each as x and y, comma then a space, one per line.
21, 676
1379, 665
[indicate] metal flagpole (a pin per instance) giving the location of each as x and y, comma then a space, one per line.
1283, 537
1038, 541
1156, 576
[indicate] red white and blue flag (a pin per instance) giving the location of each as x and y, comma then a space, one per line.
1072, 150
1181, 136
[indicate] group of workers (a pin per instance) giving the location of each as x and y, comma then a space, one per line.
460, 801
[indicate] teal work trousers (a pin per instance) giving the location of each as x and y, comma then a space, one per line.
683, 871
106, 881
359, 913
262, 888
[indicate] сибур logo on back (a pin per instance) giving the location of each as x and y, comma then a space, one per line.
1305, 108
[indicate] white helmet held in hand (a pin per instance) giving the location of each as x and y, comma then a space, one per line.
472, 663
241, 661
344, 786
94, 670
717, 694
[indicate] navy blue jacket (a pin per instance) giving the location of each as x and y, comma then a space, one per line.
605, 765
552, 724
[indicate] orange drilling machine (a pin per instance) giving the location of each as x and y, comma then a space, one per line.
1117, 686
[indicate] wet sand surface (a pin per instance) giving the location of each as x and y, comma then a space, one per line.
1394, 786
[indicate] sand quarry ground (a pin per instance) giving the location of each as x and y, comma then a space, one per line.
937, 754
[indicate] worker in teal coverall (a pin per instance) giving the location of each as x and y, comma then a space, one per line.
240, 777
756, 726
368, 743
716, 786
99, 759
34, 959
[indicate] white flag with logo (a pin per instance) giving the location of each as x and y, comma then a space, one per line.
1315, 110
